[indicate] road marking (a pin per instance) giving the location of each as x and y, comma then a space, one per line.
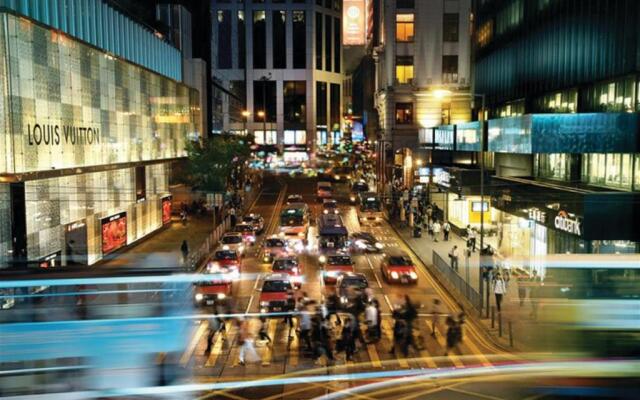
373, 356
440, 337
387, 330
216, 350
374, 272
386, 298
249, 305
268, 351
194, 342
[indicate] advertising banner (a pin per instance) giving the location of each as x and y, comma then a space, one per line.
166, 210
353, 23
114, 232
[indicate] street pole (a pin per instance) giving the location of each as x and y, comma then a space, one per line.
481, 266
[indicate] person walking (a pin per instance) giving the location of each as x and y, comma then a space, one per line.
371, 318
499, 289
347, 339
184, 249
290, 308
332, 307
446, 229
232, 215
454, 334
436, 311
454, 257
247, 350
430, 227
472, 240
305, 328
436, 230
215, 326
263, 333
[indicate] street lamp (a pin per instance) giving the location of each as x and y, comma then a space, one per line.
245, 117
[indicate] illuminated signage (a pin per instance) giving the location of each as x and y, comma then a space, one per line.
353, 23
568, 223
537, 215
114, 232
53, 135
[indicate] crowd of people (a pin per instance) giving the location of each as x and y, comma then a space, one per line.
324, 329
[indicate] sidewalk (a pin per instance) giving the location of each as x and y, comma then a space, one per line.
468, 272
162, 249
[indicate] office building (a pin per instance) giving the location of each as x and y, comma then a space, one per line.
280, 64
560, 79
424, 48
88, 133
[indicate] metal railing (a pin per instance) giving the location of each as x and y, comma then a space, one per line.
459, 284
195, 258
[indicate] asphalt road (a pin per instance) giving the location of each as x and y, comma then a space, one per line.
285, 358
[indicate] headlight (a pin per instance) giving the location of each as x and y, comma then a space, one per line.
335, 211
241, 248
264, 304
343, 299
199, 297
252, 238
360, 244
377, 218
413, 275
266, 258
322, 259
337, 177
301, 234
225, 247
325, 212
331, 274
221, 296
352, 198
379, 245
394, 275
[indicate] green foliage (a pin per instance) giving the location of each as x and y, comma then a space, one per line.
211, 162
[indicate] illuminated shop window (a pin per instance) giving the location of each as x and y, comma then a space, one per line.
404, 69
404, 27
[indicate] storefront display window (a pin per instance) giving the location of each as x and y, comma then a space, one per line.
467, 211
611, 170
270, 138
552, 166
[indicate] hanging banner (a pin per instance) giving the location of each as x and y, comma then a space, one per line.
353, 23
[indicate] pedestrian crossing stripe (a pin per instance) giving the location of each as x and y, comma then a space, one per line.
373, 356
216, 350
194, 342
268, 351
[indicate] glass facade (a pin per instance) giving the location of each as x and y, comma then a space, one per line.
66, 105
279, 26
618, 171
54, 204
552, 166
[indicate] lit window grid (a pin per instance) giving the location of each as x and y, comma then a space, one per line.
141, 115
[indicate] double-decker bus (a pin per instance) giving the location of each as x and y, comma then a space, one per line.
370, 208
294, 220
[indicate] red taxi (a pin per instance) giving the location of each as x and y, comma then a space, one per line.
398, 267
225, 258
216, 285
335, 265
247, 231
275, 292
274, 247
291, 266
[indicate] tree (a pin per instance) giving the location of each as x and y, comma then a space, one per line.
212, 161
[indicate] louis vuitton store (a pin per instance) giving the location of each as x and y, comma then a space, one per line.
86, 146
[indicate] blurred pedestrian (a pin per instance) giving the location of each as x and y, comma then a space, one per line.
215, 326
305, 328
453, 334
454, 257
263, 333
499, 289
184, 249
372, 317
232, 215
446, 229
332, 307
347, 339
436, 230
436, 311
245, 340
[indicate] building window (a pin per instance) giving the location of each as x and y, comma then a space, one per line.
449, 69
404, 27
404, 113
321, 103
271, 138
405, 3
334, 110
299, 40
636, 172
337, 29
484, 35
553, 166
404, 69
510, 17
613, 96
558, 102
511, 109
292, 137
279, 26
141, 183
327, 43
450, 27
224, 39
319, 41
611, 170
242, 55
264, 91
259, 40
295, 102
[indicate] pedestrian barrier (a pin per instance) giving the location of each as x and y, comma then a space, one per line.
458, 282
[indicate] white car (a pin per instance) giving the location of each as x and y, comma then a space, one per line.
233, 241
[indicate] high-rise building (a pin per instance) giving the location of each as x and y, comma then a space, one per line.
277, 71
93, 114
423, 49
560, 82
